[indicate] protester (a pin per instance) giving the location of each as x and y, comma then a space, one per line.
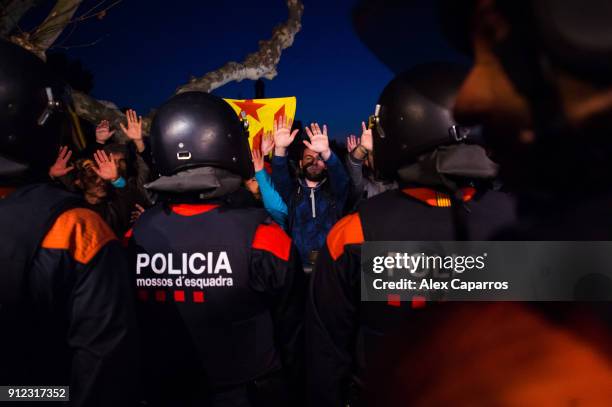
103, 186
272, 201
359, 165
115, 191
316, 199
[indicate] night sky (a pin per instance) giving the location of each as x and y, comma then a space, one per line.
145, 49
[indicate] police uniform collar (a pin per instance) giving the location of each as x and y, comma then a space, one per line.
206, 182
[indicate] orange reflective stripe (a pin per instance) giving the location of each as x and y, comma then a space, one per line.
272, 238
468, 193
347, 231
192, 209
438, 199
80, 231
126, 238
6, 191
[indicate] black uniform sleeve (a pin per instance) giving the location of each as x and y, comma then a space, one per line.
332, 322
102, 332
284, 281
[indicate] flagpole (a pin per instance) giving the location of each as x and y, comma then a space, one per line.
259, 89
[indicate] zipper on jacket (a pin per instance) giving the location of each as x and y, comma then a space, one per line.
312, 203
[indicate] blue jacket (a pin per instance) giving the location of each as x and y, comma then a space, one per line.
274, 204
312, 211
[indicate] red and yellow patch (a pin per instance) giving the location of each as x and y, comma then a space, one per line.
438, 199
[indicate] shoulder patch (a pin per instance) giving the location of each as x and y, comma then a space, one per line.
126, 237
80, 231
348, 230
272, 238
192, 209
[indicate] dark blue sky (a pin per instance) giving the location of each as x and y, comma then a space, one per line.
148, 48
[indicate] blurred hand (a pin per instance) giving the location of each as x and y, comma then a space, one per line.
258, 159
138, 210
267, 143
103, 132
107, 169
133, 131
60, 167
283, 136
366, 138
319, 142
351, 143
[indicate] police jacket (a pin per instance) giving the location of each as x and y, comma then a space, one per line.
343, 332
65, 306
220, 299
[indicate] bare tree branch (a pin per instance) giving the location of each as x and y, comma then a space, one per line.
260, 64
43, 37
11, 12
46, 33
256, 65
94, 12
94, 111
90, 44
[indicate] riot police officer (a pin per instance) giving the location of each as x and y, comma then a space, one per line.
65, 305
220, 291
445, 180
540, 85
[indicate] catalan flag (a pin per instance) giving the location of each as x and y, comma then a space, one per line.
261, 114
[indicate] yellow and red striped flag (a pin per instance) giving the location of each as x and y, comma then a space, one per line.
261, 114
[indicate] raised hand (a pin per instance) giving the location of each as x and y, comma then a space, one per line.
258, 159
267, 143
351, 143
107, 169
60, 167
283, 136
134, 129
319, 142
103, 132
366, 138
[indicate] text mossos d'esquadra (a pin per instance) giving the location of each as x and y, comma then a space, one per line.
421, 265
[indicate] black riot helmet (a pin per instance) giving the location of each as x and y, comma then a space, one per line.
29, 133
197, 129
414, 115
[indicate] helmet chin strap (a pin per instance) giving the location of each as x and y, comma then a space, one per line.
203, 182
10, 168
445, 166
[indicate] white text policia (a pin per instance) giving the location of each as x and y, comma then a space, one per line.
194, 263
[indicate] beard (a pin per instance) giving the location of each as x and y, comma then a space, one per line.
312, 175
